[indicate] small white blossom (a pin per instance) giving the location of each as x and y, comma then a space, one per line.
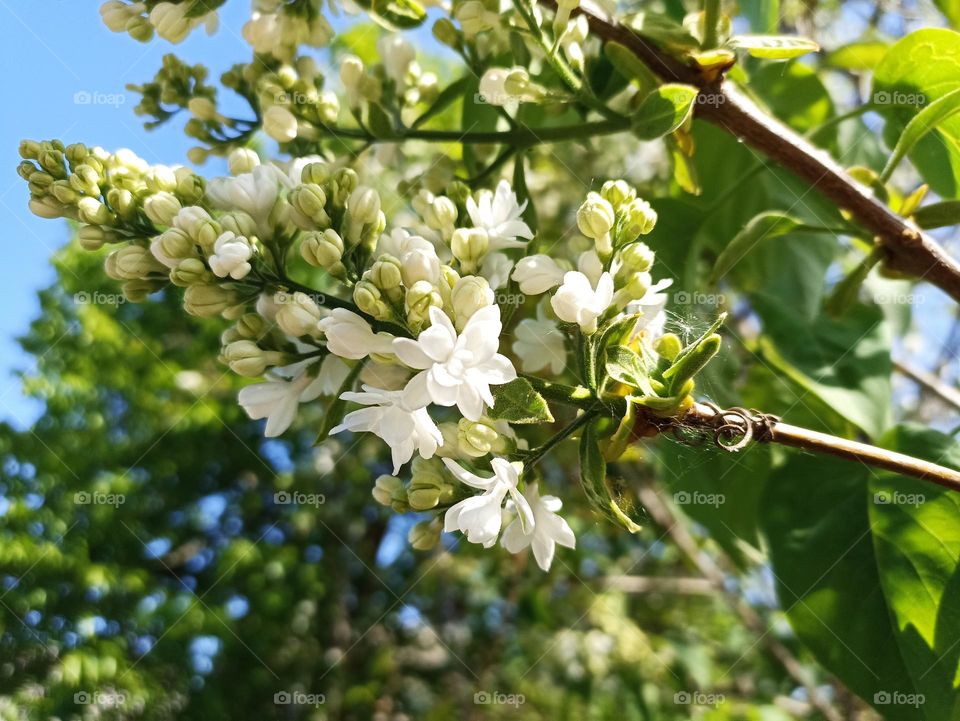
500, 215
231, 255
278, 400
280, 124
116, 14
404, 428
577, 301
537, 274
539, 344
547, 530
350, 336
456, 370
653, 306
480, 517
396, 54
255, 193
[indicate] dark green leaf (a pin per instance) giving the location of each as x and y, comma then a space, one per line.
593, 479
518, 402
927, 120
447, 96
938, 215
765, 226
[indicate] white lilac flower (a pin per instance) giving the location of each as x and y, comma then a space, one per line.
537, 274
547, 530
499, 214
420, 264
400, 241
456, 369
333, 372
480, 517
280, 124
231, 255
539, 344
653, 306
577, 301
496, 269
389, 376
116, 14
350, 336
278, 400
255, 193
404, 428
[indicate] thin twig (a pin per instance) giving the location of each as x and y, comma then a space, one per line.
930, 382
907, 248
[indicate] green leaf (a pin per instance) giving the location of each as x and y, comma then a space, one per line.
395, 14
795, 93
773, 47
447, 97
765, 226
335, 411
764, 15
938, 215
858, 56
626, 366
915, 72
475, 115
523, 193
845, 362
630, 66
922, 123
664, 110
950, 8
817, 529
518, 402
917, 542
721, 491
593, 479
380, 123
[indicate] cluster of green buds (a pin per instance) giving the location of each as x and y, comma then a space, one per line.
293, 103
252, 345
615, 217
116, 197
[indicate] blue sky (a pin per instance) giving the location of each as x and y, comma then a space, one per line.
58, 55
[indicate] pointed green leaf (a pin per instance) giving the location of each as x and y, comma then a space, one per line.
765, 226
773, 47
593, 479
922, 123
664, 110
445, 99
938, 215
518, 402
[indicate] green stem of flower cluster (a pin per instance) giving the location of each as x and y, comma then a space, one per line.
711, 23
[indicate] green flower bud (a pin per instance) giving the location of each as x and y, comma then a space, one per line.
637, 257
242, 160
438, 211
469, 245
190, 271
93, 237
389, 491
52, 162
137, 291
40, 183
86, 180
238, 223
421, 296
386, 274
160, 179
175, 243
161, 208
595, 218
476, 438
323, 250
368, 299
64, 192
252, 326
668, 346
122, 201
424, 535
364, 205
470, 294
315, 173
617, 193
344, 182
206, 301
247, 359
26, 168
139, 28
639, 219
446, 33
29, 149
635, 287
307, 207
134, 261
429, 485
48, 207
190, 186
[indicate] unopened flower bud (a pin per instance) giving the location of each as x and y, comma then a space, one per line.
343, 183
206, 301
387, 274
190, 186
190, 271
364, 205
637, 257
469, 245
94, 212
369, 299
238, 223
122, 201
476, 438
160, 178
86, 180
617, 193
668, 346
424, 535
640, 219
446, 33
252, 326
317, 173
595, 219
161, 208
298, 315
64, 192
93, 237
469, 294
418, 301
307, 207
247, 359
137, 291
323, 249
280, 124
389, 491
134, 261
242, 160
203, 108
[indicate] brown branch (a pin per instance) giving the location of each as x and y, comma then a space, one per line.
736, 422
907, 249
930, 382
